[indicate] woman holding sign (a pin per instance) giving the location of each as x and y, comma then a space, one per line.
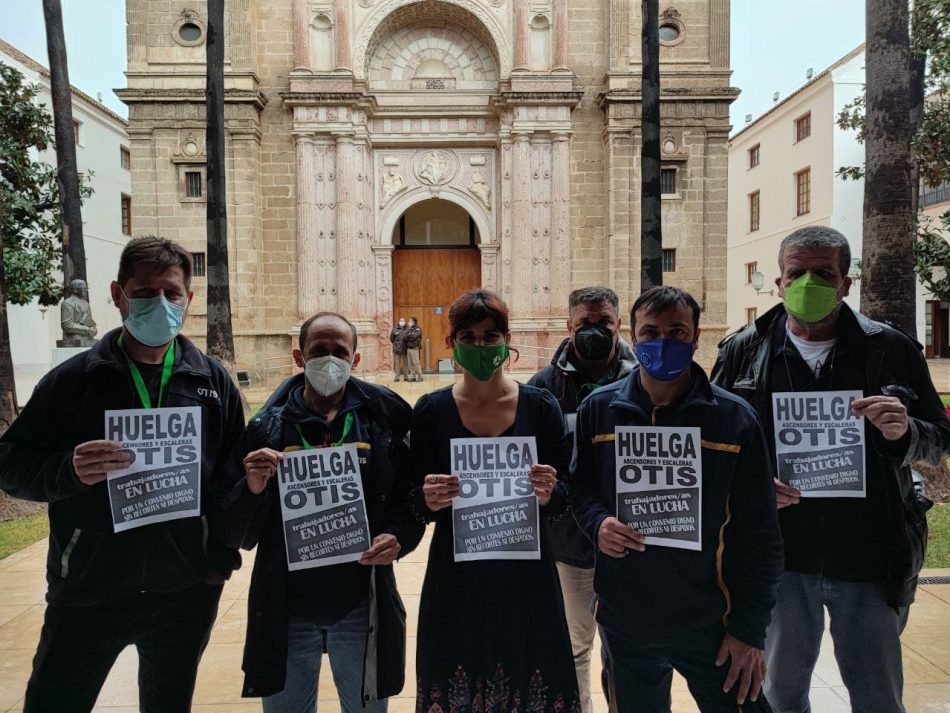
486, 456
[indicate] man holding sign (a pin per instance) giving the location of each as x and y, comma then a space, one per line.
128, 444
324, 498
848, 405
671, 481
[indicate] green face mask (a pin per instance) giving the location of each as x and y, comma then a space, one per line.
810, 298
481, 362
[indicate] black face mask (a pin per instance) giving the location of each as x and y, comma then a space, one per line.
593, 342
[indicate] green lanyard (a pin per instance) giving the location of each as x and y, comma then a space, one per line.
347, 427
140, 382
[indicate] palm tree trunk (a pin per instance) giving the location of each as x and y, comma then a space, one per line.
8, 404
220, 335
74, 252
651, 235
888, 290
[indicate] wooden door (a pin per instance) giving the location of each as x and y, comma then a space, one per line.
426, 281
942, 343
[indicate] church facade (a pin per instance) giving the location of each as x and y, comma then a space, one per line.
385, 155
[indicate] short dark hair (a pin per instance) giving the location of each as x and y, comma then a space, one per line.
593, 296
150, 248
305, 327
817, 237
660, 299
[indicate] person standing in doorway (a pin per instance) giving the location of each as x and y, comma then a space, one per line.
398, 339
413, 349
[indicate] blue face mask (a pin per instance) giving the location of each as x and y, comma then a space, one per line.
665, 359
154, 321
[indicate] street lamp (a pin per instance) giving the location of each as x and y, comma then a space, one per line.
758, 282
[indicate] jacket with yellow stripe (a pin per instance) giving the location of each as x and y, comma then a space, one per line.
677, 597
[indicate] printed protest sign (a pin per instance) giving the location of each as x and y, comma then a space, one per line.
495, 516
819, 443
660, 483
321, 501
164, 480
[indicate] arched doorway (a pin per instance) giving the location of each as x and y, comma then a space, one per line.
435, 259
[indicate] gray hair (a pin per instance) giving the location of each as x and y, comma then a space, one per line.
593, 296
817, 237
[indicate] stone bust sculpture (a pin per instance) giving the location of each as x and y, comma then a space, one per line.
79, 328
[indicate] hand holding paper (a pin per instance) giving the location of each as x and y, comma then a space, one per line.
544, 478
747, 667
259, 467
615, 539
383, 550
439, 490
93, 460
886, 413
786, 495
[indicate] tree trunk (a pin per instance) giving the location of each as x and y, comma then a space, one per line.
74, 252
8, 404
220, 335
888, 291
651, 234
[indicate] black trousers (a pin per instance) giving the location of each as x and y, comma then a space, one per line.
638, 678
79, 645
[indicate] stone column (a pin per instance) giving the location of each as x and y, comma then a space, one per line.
301, 35
541, 208
326, 224
307, 249
560, 35
383, 258
521, 35
504, 216
348, 191
341, 21
560, 219
521, 239
489, 266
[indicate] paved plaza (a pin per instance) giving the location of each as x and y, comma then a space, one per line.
22, 586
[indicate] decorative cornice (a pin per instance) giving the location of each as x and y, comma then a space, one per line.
360, 99
534, 98
669, 94
231, 96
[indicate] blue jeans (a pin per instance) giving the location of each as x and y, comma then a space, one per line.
346, 645
866, 635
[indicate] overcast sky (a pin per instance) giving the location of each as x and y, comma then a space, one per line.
773, 44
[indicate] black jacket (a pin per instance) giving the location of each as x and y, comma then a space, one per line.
673, 597
562, 379
894, 365
398, 339
88, 563
413, 337
255, 520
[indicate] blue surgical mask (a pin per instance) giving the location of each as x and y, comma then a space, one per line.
154, 321
665, 359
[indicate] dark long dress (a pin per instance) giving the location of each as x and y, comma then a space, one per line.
492, 635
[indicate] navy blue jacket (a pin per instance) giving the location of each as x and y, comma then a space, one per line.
675, 597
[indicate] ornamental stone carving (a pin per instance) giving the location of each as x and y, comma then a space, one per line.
435, 168
480, 188
393, 183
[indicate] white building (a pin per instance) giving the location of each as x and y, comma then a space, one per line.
933, 316
782, 176
102, 150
